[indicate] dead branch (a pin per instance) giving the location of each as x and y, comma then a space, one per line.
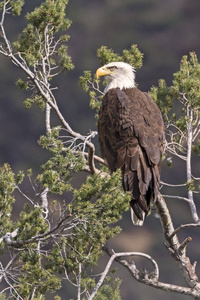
118, 257
182, 260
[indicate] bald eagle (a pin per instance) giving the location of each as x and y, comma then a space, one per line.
131, 131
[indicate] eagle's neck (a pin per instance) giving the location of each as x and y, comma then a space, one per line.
121, 82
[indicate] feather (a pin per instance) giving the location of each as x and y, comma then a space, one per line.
131, 134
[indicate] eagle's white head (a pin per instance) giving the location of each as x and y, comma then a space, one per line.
118, 75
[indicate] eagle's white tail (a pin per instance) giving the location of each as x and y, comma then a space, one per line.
135, 219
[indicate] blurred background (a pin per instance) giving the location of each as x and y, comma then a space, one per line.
164, 30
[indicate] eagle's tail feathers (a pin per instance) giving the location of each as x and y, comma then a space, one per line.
139, 210
135, 220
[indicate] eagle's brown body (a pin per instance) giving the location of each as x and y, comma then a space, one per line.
131, 132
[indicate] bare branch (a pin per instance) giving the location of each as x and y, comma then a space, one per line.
188, 168
44, 200
177, 197
173, 244
12, 288
195, 225
172, 185
24, 195
48, 118
8, 45
79, 281
182, 247
152, 281
116, 256
97, 159
96, 87
9, 236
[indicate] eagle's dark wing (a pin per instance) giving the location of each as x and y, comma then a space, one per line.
131, 136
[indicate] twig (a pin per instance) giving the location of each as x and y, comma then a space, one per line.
12, 288
172, 185
24, 195
182, 247
195, 225
96, 88
177, 197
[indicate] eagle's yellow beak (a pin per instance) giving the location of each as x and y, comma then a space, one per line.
102, 72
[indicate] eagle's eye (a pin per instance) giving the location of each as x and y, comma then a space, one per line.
112, 68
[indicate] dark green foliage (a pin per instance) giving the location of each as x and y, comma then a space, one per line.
196, 148
22, 84
190, 185
51, 141
31, 223
65, 60
16, 6
7, 186
43, 23
183, 98
185, 89
56, 174
132, 56
35, 98
57, 298
95, 102
19, 177
109, 290
111, 201
57, 171
85, 80
33, 274
169, 162
50, 12
8, 182
98, 203
162, 96
181, 123
186, 81
107, 55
